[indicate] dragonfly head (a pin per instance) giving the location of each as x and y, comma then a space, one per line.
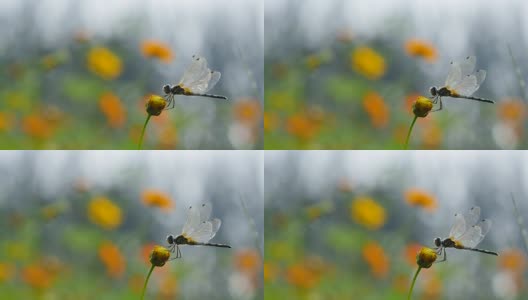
170, 239
438, 242
434, 91
167, 89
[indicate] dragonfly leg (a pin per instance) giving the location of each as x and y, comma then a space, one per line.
439, 100
444, 256
170, 100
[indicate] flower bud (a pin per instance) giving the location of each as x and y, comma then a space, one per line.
155, 105
159, 256
426, 257
422, 106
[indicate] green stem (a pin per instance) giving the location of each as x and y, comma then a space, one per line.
146, 282
143, 132
412, 284
409, 133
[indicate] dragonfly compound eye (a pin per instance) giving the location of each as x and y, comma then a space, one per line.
170, 239
166, 89
433, 91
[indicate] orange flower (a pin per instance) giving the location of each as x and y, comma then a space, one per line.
368, 62
145, 252
512, 111
104, 63
168, 137
377, 110
247, 261
105, 213
367, 212
37, 126
302, 126
248, 112
420, 48
512, 260
157, 199
432, 288
168, 288
37, 276
156, 49
432, 136
417, 197
375, 257
112, 258
113, 109
302, 275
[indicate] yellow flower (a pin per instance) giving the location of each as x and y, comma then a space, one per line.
6, 121
423, 49
7, 271
104, 63
159, 256
113, 109
105, 213
426, 257
313, 62
375, 257
422, 107
367, 212
271, 121
157, 50
377, 110
157, 199
271, 271
155, 105
417, 197
368, 62
112, 258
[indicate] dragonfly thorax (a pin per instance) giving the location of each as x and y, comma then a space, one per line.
177, 90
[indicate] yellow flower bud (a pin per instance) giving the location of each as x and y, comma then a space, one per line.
159, 256
422, 106
426, 257
155, 105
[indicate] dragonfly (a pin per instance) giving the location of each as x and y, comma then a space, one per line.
466, 233
198, 230
461, 82
196, 81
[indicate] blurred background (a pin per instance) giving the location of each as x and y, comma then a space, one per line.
77, 74
81, 225
342, 224
344, 74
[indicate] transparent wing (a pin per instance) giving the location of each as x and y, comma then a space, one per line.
472, 216
192, 222
454, 76
206, 231
467, 66
466, 86
458, 228
205, 212
215, 77
194, 71
474, 235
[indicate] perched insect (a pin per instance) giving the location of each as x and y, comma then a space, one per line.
196, 81
466, 233
197, 231
461, 82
